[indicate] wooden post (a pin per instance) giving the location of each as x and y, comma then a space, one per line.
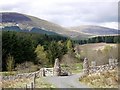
26, 86
34, 80
32, 85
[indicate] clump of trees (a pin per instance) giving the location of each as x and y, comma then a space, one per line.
37, 48
21, 48
41, 49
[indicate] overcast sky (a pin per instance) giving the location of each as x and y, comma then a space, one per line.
67, 13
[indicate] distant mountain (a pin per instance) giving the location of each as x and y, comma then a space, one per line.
25, 23
30, 23
95, 30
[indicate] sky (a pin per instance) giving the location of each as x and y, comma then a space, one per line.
67, 13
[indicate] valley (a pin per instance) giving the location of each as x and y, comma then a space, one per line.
37, 53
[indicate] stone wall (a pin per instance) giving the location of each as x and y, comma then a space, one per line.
23, 76
56, 71
88, 69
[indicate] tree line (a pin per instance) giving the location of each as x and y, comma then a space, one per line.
99, 39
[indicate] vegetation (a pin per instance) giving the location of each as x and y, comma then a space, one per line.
21, 83
99, 52
41, 55
10, 63
106, 79
72, 68
99, 39
40, 49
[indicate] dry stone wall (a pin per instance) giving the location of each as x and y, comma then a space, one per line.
55, 71
23, 76
87, 69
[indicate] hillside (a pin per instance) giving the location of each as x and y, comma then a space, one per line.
27, 23
100, 52
95, 30
96, 46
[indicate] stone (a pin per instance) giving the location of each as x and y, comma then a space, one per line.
93, 65
86, 66
116, 61
57, 68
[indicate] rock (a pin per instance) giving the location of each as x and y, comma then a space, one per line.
57, 68
86, 66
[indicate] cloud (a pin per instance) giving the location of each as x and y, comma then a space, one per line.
67, 12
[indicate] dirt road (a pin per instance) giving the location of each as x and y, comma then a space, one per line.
71, 81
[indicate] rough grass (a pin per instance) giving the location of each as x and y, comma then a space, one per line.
73, 68
95, 46
21, 83
8, 73
99, 52
106, 79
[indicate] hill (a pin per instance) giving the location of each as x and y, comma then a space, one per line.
99, 52
26, 23
95, 30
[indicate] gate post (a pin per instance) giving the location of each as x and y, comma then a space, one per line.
57, 68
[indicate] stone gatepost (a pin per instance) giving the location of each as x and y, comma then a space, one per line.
86, 66
57, 68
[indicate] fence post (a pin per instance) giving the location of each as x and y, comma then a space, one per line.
34, 79
26, 86
32, 85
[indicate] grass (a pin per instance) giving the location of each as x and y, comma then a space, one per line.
106, 79
8, 73
73, 68
21, 83
77, 68
18, 83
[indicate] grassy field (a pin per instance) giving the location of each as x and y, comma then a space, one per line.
106, 79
